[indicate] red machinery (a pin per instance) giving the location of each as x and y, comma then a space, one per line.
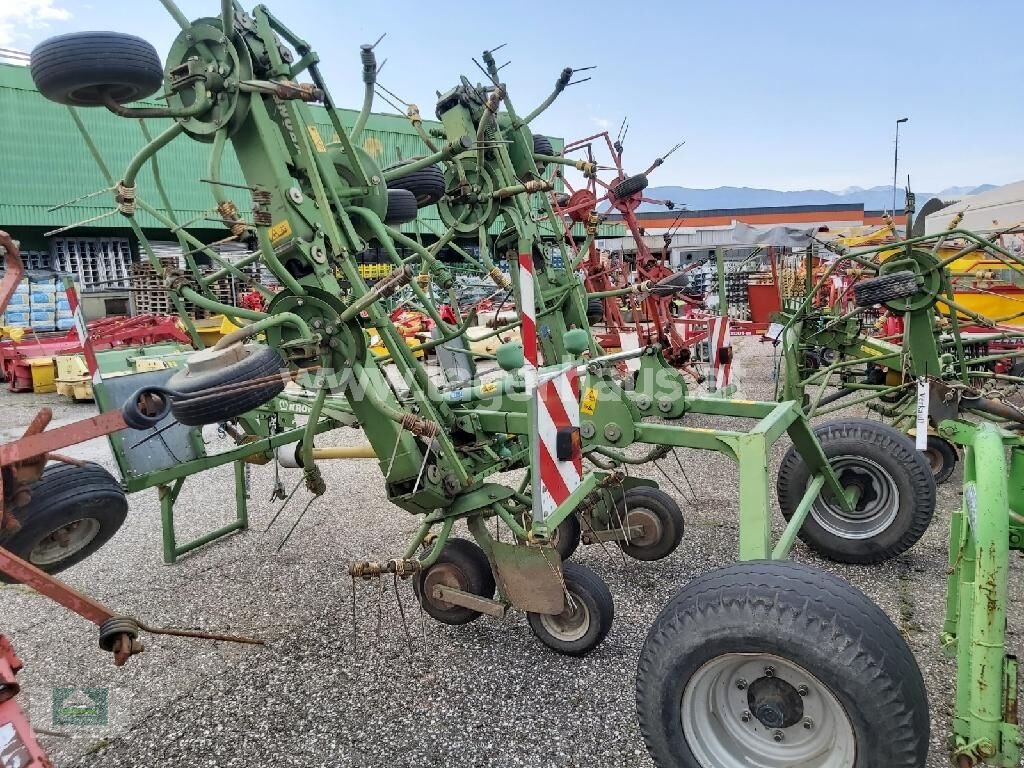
660, 311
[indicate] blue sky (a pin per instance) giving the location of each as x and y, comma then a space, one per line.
789, 94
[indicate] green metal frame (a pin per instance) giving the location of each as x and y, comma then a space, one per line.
982, 532
316, 205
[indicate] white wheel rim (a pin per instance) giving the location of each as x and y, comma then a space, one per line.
65, 541
571, 624
877, 506
744, 710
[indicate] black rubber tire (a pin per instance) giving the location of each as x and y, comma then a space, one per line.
670, 518
542, 146
879, 290
803, 615
426, 185
77, 69
595, 311
475, 576
64, 494
629, 186
941, 457
567, 537
402, 207
886, 448
586, 587
260, 361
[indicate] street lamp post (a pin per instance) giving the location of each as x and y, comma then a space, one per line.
896, 162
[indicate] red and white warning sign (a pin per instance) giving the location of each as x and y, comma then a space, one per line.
720, 346
556, 456
558, 459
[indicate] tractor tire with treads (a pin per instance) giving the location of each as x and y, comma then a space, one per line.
629, 186
896, 493
776, 663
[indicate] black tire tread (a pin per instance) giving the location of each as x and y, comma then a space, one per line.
402, 207
65, 63
659, 498
879, 290
454, 551
427, 185
264, 361
578, 578
815, 609
876, 436
63, 485
629, 186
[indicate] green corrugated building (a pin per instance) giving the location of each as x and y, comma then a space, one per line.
44, 162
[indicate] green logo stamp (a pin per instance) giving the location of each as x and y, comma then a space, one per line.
79, 706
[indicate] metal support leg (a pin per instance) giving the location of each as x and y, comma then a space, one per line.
755, 510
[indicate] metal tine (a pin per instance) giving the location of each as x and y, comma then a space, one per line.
495, 50
378, 41
79, 199
577, 82
230, 184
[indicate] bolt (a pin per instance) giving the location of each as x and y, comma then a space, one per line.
741, 683
745, 716
769, 671
803, 690
778, 736
808, 723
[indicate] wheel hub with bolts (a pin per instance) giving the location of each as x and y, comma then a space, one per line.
759, 709
572, 623
65, 541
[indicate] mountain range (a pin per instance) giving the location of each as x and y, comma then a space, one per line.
873, 198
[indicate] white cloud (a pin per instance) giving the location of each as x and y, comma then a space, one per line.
601, 122
19, 17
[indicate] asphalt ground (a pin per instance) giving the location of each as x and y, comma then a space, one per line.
343, 680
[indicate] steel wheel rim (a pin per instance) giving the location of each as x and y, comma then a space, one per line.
445, 575
65, 541
653, 529
725, 690
571, 624
876, 508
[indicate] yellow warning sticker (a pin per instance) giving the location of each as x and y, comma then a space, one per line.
280, 231
489, 387
589, 403
318, 142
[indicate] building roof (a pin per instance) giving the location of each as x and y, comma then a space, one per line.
44, 161
997, 209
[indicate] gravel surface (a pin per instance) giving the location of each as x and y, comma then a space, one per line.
328, 689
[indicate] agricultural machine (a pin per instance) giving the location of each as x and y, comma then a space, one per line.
926, 357
765, 660
659, 308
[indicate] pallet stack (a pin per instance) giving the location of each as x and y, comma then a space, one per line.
150, 297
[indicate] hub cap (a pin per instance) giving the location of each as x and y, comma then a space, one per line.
878, 500
65, 541
571, 624
762, 711
647, 520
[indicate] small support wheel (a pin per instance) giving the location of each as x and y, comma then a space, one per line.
426, 184
588, 615
661, 519
942, 457
402, 206
629, 186
463, 566
779, 664
212, 369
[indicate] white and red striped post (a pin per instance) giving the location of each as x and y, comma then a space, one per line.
554, 409
82, 329
720, 351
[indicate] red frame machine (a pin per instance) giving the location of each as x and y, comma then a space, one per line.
21, 464
653, 320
